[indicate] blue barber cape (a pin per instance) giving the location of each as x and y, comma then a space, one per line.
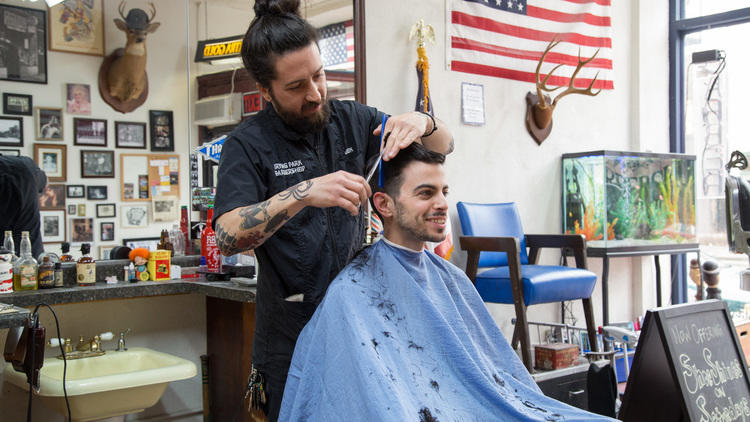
404, 336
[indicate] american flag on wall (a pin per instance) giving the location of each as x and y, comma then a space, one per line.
506, 39
337, 46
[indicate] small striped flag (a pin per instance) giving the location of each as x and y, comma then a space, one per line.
506, 39
337, 46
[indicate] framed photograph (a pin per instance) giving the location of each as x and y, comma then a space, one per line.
91, 132
76, 191
11, 131
10, 152
149, 243
104, 251
105, 210
165, 208
96, 193
17, 104
72, 209
52, 224
77, 27
107, 231
49, 124
97, 163
130, 135
23, 56
78, 98
53, 197
52, 159
81, 210
162, 130
135, 215
81, 230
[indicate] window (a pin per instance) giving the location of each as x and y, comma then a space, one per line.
708, 108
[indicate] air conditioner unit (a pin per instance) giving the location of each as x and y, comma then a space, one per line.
219, 111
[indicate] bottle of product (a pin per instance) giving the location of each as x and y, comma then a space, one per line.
86, 267
178, 240
66, 256
164, 242
185, 229
9, 244
25, 270
131, 273
209, 249
58, 275
46, 274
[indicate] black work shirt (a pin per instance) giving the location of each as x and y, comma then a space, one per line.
20, 183
263, 157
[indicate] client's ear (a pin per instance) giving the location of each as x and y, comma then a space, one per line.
383, 203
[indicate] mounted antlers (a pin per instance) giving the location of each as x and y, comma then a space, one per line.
540, 107
123, 83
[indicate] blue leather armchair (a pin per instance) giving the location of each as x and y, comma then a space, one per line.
494, 237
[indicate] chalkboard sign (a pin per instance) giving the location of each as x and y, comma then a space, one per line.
688, 366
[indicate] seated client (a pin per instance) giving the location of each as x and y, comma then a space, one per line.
402, 334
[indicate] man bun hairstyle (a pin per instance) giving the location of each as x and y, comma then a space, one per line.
276, 29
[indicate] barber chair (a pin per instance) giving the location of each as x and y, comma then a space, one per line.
494, 239
737, 197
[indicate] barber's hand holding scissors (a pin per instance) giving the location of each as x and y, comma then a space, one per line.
339, 189
404, 129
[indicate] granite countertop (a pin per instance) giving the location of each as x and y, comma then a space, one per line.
103, 291
12, 316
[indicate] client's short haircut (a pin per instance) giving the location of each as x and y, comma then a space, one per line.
393, 169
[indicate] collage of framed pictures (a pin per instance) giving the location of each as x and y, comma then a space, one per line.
24, 44
19, 104
52, 225
162, 130
72, 35
130, 135
90, 132
97, 163
11, 131
52, 159
53, 197
49, 124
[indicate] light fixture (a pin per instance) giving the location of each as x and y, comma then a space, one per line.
51, 3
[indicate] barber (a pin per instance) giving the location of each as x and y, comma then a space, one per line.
290, 182
21, 183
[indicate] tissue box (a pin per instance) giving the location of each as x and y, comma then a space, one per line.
158, 265
555, 355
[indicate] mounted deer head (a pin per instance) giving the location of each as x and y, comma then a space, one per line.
124, 84
539, 107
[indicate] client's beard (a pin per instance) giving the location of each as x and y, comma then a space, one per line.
315, 123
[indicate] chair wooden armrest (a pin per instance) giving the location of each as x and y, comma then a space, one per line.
476, 244
575, 242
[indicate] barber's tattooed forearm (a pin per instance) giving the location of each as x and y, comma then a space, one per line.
254, 215
276, 221
230, 245
298, 191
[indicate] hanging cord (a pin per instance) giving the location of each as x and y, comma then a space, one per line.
717, 73
35, 324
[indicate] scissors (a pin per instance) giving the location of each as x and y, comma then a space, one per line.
379, 161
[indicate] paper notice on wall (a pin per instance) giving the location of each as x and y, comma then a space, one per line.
472, 104
159, 163
174, 164
164, 179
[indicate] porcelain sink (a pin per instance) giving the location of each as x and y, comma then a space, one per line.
116, 383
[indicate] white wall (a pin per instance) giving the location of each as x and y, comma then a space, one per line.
500, 162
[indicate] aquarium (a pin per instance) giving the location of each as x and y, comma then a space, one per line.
629, 199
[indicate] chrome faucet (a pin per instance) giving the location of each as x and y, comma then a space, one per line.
121, 343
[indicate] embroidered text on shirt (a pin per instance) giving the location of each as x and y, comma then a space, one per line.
290, 167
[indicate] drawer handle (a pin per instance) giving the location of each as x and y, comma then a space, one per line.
572, 394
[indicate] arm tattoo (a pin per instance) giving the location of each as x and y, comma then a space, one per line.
276, 221
230, 245
251, 215
298, 191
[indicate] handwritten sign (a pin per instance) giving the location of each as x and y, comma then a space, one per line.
688, 366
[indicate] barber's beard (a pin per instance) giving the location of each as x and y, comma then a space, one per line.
304, 124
